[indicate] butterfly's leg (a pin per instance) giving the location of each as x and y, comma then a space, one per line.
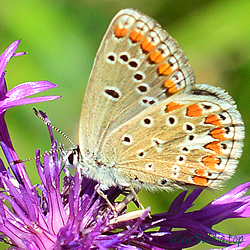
105, 197
134, 192
128, 198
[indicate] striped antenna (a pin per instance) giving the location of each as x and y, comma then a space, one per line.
47, 123
34, 158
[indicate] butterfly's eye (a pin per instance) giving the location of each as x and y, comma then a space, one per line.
71, 158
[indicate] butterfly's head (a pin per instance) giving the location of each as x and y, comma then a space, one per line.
71, 157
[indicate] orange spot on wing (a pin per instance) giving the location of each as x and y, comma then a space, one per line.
170, 84
214, 146
194, 110
173, 90
135, 36
164, 69
146, 45
168, 71
173, 106
213, 119
200, 181
218, 133
156, 56
120, 32
211, 161
200, 172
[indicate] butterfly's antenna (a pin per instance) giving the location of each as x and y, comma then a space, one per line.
48, 123
33, 158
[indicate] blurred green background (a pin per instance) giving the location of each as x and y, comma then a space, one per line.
62, 37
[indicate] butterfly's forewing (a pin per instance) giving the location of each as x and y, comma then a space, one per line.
137, 65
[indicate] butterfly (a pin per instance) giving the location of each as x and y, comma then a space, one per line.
145, 123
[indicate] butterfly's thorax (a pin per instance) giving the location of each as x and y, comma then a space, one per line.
93, 167
144, 121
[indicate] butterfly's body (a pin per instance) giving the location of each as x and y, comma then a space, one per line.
145, 123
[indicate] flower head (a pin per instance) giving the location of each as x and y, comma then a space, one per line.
64, 211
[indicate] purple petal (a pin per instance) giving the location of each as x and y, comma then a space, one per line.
29, 88
6, 56
3, 87
20, 54
16, 95
45, 117
27, 101
18, 169
2, 167
233, 195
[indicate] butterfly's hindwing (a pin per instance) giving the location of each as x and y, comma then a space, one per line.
186, 139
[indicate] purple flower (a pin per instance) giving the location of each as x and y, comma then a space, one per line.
15, 97
64, 211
